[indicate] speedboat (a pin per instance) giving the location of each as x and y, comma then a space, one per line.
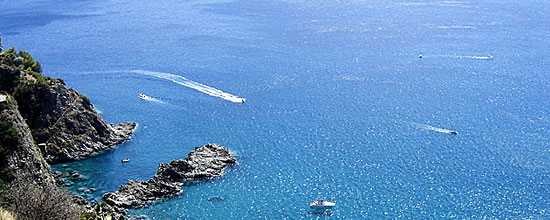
142, 96
321, 204
453, 132
420, 55
125, 160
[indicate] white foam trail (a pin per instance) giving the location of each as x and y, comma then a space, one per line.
432, 128
151, 99
464, 57
477, 57
192, 84
456, 27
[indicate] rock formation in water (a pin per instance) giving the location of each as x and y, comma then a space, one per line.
204, 162
139, 193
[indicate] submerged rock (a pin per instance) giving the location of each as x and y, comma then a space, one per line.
204, 162
216, 199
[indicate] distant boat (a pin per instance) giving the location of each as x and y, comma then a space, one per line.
321, 204
453, 132
484, 58
125, 160
420, 55
142, 96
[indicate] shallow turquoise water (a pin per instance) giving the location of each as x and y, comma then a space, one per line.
339, 106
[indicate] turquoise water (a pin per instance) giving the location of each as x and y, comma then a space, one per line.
339, 106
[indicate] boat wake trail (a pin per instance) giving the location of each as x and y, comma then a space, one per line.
149, 98
476, 57
432, 128
462, 57
191, 84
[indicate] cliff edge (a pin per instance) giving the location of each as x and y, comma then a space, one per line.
62, 121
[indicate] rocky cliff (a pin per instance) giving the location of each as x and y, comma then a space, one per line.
67, 123
21, 157
63, 122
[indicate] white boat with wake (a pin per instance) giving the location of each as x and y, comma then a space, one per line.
321, 204
149, 98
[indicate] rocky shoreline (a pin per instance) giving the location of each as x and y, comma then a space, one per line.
205, 162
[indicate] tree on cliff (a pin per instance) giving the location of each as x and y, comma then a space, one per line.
0, 43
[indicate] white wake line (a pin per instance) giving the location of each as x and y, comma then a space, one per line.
477, 57
459, 57
432, 128
191, 84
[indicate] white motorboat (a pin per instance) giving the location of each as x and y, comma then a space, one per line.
321, 204
142, 96
126, 160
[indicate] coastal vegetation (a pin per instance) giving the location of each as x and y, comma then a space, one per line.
39, 202
28, 70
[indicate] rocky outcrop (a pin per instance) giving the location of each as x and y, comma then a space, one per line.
68, 124
204, 162
139, 193
63, 122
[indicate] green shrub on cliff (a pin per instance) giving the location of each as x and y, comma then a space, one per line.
85, 99
24, 62
0, 43
29, 63
23, 90
8, 135
9, 56
8, 141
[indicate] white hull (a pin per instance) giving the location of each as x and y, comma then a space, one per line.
321, 205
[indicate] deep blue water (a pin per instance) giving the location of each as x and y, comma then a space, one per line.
339, 106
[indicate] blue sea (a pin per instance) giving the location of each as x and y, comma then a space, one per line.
339, 106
